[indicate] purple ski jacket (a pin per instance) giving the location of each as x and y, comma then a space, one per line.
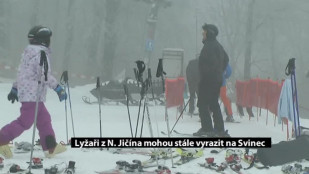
28, 75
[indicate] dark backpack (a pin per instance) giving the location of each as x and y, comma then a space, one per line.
285, 151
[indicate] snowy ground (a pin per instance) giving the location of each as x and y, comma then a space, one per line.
115, 124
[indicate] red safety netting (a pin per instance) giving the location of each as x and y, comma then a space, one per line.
174, 90
261, 93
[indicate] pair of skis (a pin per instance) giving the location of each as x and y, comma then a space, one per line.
179, 134
232, 161
37, 164
134, 167
188, 155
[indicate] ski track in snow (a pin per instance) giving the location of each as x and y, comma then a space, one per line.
115, 123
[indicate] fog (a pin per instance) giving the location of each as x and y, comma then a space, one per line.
104, 37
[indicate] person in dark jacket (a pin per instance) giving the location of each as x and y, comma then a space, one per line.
192, 79
212, 63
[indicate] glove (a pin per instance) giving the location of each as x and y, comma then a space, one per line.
13, 95
61, 93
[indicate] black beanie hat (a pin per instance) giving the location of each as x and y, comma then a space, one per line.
211, 29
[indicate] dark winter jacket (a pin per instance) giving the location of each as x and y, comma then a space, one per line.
212, 62
192, 72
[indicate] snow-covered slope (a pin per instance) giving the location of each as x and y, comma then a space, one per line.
115, 124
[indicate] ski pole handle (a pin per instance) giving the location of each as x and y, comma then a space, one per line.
65, 76
136, 74
290, 66
98, 82
159, 68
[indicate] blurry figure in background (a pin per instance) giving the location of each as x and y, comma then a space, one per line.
241, 111
192, 79
212, 63
26, 90
226, 101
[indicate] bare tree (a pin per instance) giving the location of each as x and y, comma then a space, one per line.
93, 40
69, 35
110, 38
4, 40
35, 12
248, 36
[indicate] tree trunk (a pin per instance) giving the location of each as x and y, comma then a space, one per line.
272, 49
110, 39
34, 15
94, 37
69, 36
248, 53
4, 45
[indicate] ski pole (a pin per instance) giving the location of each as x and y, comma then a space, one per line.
139, 77
99, 101
161, 73
180, 115
43, 64
137, 120
126, 91
69, 94
290, 70
144, 93
66, 117
296, 100
63, 81
143, 118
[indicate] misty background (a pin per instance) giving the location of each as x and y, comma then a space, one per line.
105, 37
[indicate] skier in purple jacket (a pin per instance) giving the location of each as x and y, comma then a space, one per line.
25, 90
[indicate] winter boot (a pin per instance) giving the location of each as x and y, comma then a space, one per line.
203, 133
223, 134
229, 119
6, 151
53, 147
52, 152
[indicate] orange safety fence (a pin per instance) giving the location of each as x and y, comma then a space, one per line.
260, 93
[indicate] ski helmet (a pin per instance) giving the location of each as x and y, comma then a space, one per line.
39, 35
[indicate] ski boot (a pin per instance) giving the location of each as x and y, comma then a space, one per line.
236, 167
131, 168
53, 147
37, 163
222, 167
56, 169
139, 165
248, 157
121, 165
163, 170
71, 168
210, 163
51, 170
233, 156
229, 119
